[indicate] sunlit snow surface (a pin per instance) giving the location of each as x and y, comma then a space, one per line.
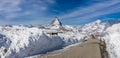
22, 41
112, 39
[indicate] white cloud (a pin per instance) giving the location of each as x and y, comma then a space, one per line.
94, 10
43, 5
43, 8
9, 8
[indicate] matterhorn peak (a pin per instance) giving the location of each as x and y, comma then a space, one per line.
56, 22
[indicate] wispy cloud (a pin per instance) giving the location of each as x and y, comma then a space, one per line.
12, 9
42, 5
39, 11
95, 10
9, 8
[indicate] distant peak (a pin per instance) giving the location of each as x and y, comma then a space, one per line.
56, 22
111, 22
98, 21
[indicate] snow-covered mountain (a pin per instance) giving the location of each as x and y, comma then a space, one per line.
18, 41
56, 22
111, 22
93, 28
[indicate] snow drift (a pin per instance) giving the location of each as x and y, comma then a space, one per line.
112, 39
18, 42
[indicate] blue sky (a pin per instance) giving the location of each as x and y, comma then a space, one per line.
71, 12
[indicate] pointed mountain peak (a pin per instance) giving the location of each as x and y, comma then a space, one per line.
56, 22
97, 21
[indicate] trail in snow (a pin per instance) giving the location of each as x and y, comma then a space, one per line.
18, 41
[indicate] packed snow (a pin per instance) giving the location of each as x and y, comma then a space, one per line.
112, 39
95, 28
18, 41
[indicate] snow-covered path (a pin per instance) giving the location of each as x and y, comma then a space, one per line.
88, 49
18, 41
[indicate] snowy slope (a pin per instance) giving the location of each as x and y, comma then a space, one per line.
18, 42
74, 34
93, 28
72, 37
55, 24
112, 39
21, 40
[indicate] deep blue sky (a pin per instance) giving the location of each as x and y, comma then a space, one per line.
73, 12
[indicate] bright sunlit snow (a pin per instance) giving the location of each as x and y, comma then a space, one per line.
112, 39
18, 41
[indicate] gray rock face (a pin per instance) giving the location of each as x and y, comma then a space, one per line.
56, 22
111, 22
